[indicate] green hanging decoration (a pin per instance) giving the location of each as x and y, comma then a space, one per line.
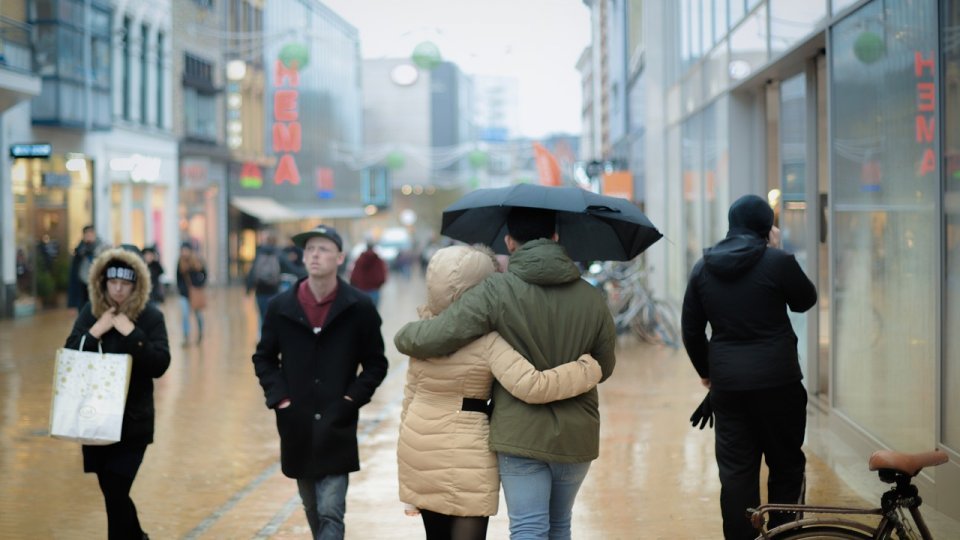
474, 182
868, 47
426, 55
477, 159
395, 161
294, 56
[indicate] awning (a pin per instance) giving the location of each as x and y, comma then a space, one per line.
270, 211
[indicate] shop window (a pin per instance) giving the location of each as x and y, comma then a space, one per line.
885, 223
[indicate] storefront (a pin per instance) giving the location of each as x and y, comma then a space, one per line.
846, 115
202, 211
53, 201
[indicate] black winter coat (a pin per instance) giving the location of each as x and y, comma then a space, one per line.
147, 343
742, 289
318, 431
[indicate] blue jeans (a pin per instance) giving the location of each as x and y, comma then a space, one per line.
325, 503
540, 495
185, 315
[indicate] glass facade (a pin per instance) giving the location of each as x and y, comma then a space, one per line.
950, 377
53, 201
886, 190
856, 140
67, 76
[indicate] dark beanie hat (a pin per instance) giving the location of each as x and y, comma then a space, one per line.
117, 269
751, 213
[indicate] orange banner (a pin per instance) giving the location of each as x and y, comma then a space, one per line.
618, 184
547, 166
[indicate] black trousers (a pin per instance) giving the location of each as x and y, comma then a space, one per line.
752, 425
444, 527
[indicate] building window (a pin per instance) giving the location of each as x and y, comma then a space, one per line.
200, 99
127, 65
68, 76
160, 79
144, 71
886, 189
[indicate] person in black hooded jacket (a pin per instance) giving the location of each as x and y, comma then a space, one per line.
119, 319
743, 287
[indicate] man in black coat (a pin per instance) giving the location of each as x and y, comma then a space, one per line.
743, 287
314, 338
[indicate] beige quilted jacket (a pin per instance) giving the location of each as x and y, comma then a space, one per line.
444, 461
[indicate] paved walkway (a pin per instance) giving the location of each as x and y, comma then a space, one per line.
213, 471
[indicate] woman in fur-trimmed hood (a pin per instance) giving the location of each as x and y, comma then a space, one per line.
119, 319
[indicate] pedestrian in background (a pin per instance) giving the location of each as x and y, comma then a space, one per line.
369, 273
296, 269
446, 469
264, 277
150, 256
742, 288
550, 316
314, 339
119, 319
87, 249
191, 284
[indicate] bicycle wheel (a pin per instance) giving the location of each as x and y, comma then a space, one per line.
824, 532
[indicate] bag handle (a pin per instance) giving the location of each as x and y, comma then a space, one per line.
84, 338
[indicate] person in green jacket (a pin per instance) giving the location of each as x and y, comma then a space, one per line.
545, 311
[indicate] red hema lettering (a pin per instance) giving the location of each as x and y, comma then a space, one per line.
287, 133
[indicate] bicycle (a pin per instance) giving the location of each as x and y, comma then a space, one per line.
893, 468
633, 305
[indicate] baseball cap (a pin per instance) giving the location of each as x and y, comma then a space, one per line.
300, 240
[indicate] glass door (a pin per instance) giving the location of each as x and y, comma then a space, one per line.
796, 171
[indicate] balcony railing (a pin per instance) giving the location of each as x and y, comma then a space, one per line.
16, 45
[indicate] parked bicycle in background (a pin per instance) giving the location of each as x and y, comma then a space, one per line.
634, 307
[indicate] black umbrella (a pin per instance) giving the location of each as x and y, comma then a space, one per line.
590, 226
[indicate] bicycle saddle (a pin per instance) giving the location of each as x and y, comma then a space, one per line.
910, 464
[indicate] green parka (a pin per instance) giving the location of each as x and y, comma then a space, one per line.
548, 314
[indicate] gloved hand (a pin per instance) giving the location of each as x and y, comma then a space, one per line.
703, 413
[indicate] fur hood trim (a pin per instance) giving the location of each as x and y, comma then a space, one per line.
99, 302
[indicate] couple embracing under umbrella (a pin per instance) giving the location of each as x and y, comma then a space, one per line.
503, 369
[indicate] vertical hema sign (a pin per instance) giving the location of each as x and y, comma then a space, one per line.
924, 69
287, 131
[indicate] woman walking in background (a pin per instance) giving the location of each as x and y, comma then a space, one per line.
447, 471
120, 319
191, 283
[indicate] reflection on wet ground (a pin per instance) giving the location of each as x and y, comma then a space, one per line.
213, 471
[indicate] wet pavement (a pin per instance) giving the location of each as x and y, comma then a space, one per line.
213, 472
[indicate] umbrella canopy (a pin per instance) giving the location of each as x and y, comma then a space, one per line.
590, 226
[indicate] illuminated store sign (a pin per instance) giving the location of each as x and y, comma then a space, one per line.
35, 150
287, 134
924, 69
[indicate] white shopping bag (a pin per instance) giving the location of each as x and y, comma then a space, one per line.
89, 394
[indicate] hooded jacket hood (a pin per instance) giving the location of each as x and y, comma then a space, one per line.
734, 255
453, 270
100, 302
543, 262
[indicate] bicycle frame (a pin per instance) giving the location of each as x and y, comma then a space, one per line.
905, 496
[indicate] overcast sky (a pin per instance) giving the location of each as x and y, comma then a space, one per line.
536, 41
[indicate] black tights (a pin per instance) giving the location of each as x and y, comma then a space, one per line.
122, 522
444, 527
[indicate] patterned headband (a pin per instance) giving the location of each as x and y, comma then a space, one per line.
119, 272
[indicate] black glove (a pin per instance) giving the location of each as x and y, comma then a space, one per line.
703, 413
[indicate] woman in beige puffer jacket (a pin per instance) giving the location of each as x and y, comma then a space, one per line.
445, 466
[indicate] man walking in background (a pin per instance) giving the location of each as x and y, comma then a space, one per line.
263, 280
551, 316
324, 331
743, 287
89, 247
369, 273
